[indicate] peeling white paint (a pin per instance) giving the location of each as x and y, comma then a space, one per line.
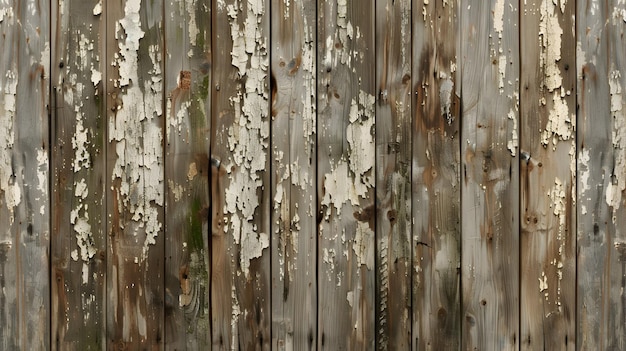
138, 139
550, 32
512, 143
363, 245
248, 136
617, 183
498, 17
561, 123
191, 25
97, 10
584, 174
8, 183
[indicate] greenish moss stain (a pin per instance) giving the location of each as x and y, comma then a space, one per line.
196, 242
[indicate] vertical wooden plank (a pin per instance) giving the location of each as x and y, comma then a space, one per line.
346, 175
436, 194
490, 175
24, 207
548, 170
135, 186
601, 263
187, 124
240, 285
78, 245
294, 233
393, 174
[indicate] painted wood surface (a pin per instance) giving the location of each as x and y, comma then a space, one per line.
436, 192
293, 171
273, 174
78, 242
240, 273
187, 72
393, 174
601, 161
490, 176
24, 174
346, 175
134, 176
548, 175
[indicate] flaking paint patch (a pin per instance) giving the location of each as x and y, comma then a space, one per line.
138, 139
363, 245
584, 174
617, 183
8, 182
550, 32
561, 123
248, 136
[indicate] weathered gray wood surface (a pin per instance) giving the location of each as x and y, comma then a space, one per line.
24, 174
547, 175
601, 240
393, 174
294, 164
134, 176
240, 275
273, 174
187, 119
490, 175
78, 242
346, 175
436, 193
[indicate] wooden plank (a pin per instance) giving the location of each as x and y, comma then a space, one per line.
134, 178
187, 84
24, 206
346, 175
240, 281
78, 245
548, 170
294, 233
436, 194
393, 174
490, 176
601, 263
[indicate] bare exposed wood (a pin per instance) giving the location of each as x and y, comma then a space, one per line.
24, 200
436, 193
187, 124
78, 245
134, 177
240, 280
548, 166
293, 149
346, 175
601, 259
393, 175
490, 176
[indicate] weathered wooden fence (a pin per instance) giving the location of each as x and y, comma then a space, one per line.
300, 174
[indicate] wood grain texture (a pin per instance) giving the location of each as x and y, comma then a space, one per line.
548, 171
293, 149
134, 178
490, 176
240, 281
436, 193
187, 124
601, 267
24, 155
393, 174
346, 175
78, 245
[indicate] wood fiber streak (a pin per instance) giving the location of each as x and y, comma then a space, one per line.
187, 161
293, 150
601, 160
346, 175
78, 245
548, 176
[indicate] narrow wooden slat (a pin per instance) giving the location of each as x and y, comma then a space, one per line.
490, 176
134, 177
24, 198
548, 170
187, 124
293, 150
240, 280
78, 245
393, 174
601, 263
346, 175
436, 194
